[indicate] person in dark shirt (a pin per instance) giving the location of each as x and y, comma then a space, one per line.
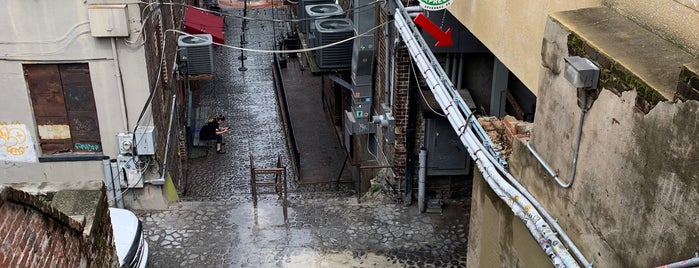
213, 131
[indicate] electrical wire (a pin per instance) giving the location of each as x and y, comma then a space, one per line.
145, 165
287, 51
223, 14
419, 89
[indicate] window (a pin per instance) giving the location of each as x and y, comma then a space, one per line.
64, 107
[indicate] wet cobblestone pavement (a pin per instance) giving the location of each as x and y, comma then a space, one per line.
217, 224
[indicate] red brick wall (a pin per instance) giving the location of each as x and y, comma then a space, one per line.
169, 17
36, 235
401, 103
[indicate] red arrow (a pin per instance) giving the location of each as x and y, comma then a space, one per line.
443, 38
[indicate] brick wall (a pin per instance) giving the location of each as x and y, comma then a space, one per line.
401, 101
34, 234
169, 17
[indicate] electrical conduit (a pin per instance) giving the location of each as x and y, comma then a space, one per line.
161, 181
520, 205
120, 86
575, 153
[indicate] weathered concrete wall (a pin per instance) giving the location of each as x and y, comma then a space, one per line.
59, 32
497, 238
633, 202
513, 30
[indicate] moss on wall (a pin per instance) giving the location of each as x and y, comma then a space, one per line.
613, 76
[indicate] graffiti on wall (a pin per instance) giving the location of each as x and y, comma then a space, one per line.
16, 143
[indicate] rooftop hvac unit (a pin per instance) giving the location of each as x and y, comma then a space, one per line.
301, 12
329, 31
196, 54
322, 11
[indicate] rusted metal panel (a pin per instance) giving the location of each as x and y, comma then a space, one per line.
48, 102
82, 111
46, 92
64, 107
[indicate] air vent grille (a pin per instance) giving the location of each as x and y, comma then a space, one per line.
329, 31
196, 54
317, 12
303, 24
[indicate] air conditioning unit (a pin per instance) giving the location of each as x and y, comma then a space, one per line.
329, 31
322, 11
317, 12
196, 54
301, 12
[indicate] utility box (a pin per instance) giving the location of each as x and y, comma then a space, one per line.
446, 154
129, 174
145, 140
108, 20
125, 143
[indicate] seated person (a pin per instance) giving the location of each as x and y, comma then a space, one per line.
213, 131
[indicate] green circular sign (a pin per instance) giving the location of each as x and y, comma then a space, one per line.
433, 5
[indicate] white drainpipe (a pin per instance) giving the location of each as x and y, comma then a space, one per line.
421, 180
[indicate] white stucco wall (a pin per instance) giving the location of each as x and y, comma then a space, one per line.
55, 32
513, 30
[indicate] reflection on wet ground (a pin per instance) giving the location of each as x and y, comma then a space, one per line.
217, 224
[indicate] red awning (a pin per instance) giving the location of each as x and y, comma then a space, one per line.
197, 21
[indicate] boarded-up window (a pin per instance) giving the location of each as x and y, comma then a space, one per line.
64, 107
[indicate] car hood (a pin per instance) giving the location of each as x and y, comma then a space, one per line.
125, 227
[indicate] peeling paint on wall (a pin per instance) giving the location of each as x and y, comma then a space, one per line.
54, 132
16, 144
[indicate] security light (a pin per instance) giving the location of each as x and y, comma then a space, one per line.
581, 72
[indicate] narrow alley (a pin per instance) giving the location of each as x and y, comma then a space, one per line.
216, 223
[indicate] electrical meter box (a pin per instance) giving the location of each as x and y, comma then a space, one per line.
145, 140
129, 174
125, 143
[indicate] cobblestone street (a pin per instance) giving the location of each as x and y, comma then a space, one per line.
217, 224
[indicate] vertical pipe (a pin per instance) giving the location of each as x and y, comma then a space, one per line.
167, 142
460, 75
120, 86
453, 68
116, 186
109, 185
393, 71
387, 56
447, 68
421, 182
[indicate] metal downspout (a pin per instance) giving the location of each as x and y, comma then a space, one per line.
460, 74
118, 195
120, 86
387, 57
575, 153
109, 185
421, 180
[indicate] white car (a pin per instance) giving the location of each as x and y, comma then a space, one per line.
132, 249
